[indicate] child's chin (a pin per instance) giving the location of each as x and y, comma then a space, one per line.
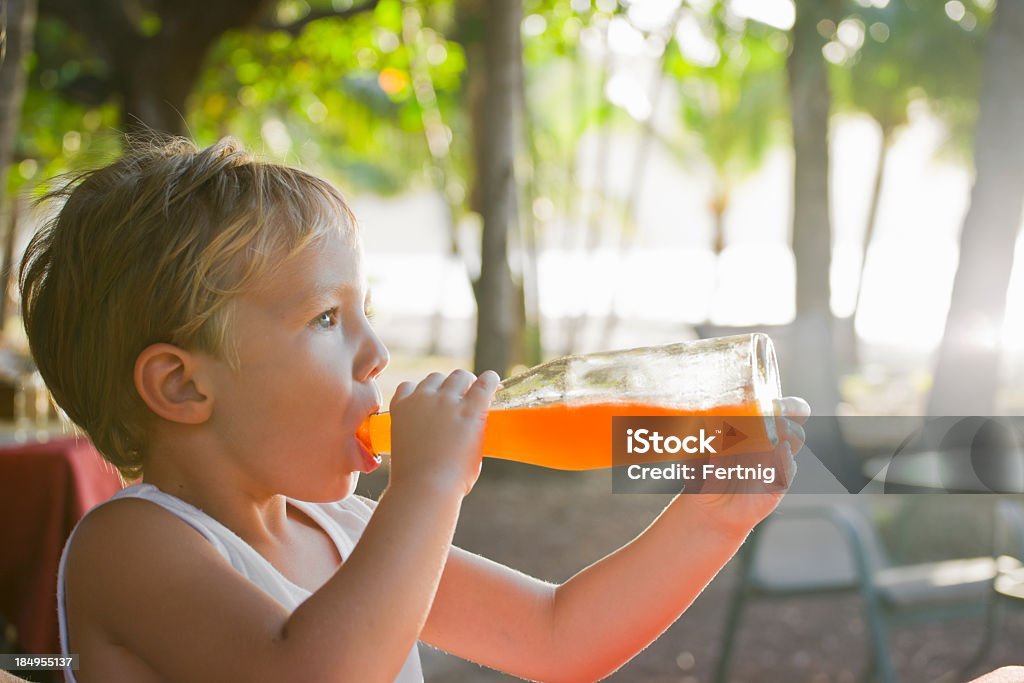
342, 487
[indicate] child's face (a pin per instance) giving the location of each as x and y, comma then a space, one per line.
308, 359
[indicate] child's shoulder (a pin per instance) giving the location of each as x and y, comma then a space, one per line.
137, 517
136, 577
115, 559
121, 545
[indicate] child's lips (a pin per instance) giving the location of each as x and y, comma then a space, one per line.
370, 461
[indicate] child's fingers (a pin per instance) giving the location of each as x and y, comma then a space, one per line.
795, 408
789, 465
402, 391
457, 382
431, 382
479, 395
794, 433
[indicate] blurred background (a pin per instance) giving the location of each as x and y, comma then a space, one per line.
541, 177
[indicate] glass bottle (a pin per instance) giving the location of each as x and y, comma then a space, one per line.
559, 414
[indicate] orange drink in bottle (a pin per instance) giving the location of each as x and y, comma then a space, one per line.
559, 414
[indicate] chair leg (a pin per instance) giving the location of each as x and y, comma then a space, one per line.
735, 612
732, 623
987, 639
878, 637
869, 672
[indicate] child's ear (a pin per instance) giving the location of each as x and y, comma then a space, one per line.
171, 382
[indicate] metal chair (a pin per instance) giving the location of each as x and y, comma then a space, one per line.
1008, 586
854, 561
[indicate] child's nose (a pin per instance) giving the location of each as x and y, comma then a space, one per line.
374, 356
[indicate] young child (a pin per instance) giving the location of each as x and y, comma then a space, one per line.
203, 317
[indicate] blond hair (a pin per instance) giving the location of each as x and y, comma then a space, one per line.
153, 248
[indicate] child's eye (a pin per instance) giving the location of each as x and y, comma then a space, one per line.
326, 320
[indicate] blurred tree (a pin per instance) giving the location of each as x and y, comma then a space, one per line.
494, 70
814, 374
368, 101
810, 104
733, 102
153, 51
17, 21
887, 56
593, 204
661, 37
966, 376
379, 87
567, 62
436, 136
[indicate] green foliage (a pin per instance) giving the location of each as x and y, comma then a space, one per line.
338, 96
57, 135
564, 92
886, 57
733, 104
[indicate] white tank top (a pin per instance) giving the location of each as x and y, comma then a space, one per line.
343, 521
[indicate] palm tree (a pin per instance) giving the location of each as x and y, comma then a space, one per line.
813, 373
733, 105
966, 376
494, 70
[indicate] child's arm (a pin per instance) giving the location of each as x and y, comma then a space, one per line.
148, 595
598, 620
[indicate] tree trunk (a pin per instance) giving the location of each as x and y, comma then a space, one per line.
810, 101
598, 198
158, 80
157, 84
496, 123
436, 137
847, 348
19, 22
154, 74
876, 198
531, 349
966, 374
719, 205
638, 176
813, 374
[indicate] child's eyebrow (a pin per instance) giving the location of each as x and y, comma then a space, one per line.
329, 290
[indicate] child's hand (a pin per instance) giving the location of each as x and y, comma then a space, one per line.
437, 428
740, 504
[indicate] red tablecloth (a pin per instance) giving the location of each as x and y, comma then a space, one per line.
45, 488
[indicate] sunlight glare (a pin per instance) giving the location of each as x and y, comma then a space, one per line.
696, 47
534, 25
670, 285
906, 290
755, 285
275, 134
1013, 323
649, 15
623, 39
845, 273
779, 14
625, 91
